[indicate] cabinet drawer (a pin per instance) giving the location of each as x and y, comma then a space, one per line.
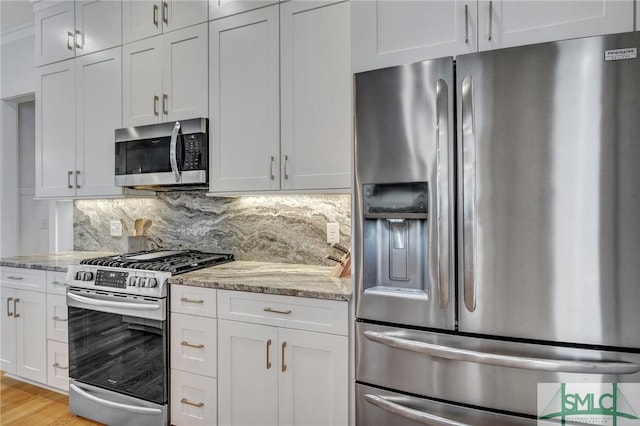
57, 283
58, 365
57, 318
193, 399
326, 316
194, 344
193, 300
20, 278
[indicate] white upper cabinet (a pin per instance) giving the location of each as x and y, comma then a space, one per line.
245, 102
165, 77
316, 95
389, 32
221, 8
142, 19
67, 29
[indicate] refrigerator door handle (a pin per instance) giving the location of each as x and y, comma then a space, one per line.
409, 413
510, 361
442, 191
468, 190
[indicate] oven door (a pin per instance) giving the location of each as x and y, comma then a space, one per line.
118, 343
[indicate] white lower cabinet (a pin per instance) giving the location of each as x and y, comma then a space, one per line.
57, 321
58, 364
193, 399
282, 374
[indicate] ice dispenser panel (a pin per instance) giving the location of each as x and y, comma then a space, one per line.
396, 239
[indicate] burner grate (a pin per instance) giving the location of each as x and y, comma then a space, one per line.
174, 261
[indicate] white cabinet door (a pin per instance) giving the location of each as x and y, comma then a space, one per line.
98, 25
314, 386
316, 95
245, 102
31, 335
55, 33
58, 365
56, 283
222, 8
7, 330
505, 23
393, 32
141, 81
55, 130
183, 13
184, 74
248, 357
98, 114
193, 399
57, 318
194, 344
140, 19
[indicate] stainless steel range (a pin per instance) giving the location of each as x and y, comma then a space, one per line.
118, 333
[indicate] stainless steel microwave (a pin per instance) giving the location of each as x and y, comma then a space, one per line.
168, 155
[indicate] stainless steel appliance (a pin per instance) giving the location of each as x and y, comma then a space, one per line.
496, 231
164, 155
118, 346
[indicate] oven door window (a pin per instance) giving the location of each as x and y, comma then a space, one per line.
119, 352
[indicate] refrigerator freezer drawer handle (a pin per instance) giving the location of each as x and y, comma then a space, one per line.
126, 407
526, 363
410, 413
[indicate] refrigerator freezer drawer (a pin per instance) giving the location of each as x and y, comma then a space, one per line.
496, 374
378, 407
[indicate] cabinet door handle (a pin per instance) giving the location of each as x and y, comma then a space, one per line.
286, 159
69, 173
15, 308
11, 277
490, 20
276, 311
284, 366
155, 15
273, 159
165, 104
268, 351
155, 105
165, 12
185, 300
466, 24
56, 365
77, 173
194, 404
9, 313
78, 39
185, 343
59, 319
70, 40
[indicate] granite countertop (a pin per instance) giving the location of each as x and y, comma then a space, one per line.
58, 261
273, 278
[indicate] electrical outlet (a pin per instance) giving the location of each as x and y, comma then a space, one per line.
116, 228
333, 233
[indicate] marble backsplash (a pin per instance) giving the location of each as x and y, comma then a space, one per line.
271, 228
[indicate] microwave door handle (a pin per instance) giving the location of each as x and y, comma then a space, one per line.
409, 413
442, 193
173, 157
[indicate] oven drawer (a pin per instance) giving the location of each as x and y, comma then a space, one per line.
325, 316
193, 300
194, 343
25, 279
496, 374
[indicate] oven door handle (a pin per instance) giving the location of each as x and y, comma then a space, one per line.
110, 304
410, 413
131, 408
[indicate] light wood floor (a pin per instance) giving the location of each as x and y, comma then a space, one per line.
24, 404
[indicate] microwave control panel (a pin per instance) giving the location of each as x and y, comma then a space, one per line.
195, 153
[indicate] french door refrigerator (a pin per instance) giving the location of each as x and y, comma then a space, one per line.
496, 231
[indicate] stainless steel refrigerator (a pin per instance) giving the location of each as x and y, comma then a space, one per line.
496, 230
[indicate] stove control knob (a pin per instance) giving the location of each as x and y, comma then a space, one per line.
152, 282
142, 282
87, 276
130, 282
134, 281
78, 276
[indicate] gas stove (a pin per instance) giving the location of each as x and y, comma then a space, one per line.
142, 273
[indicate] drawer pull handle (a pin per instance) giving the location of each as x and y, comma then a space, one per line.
58, 284
284, 366
185, 300
56, 365
59, 319
268, 360
194, 404
275, 311
185, 343
11, 277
